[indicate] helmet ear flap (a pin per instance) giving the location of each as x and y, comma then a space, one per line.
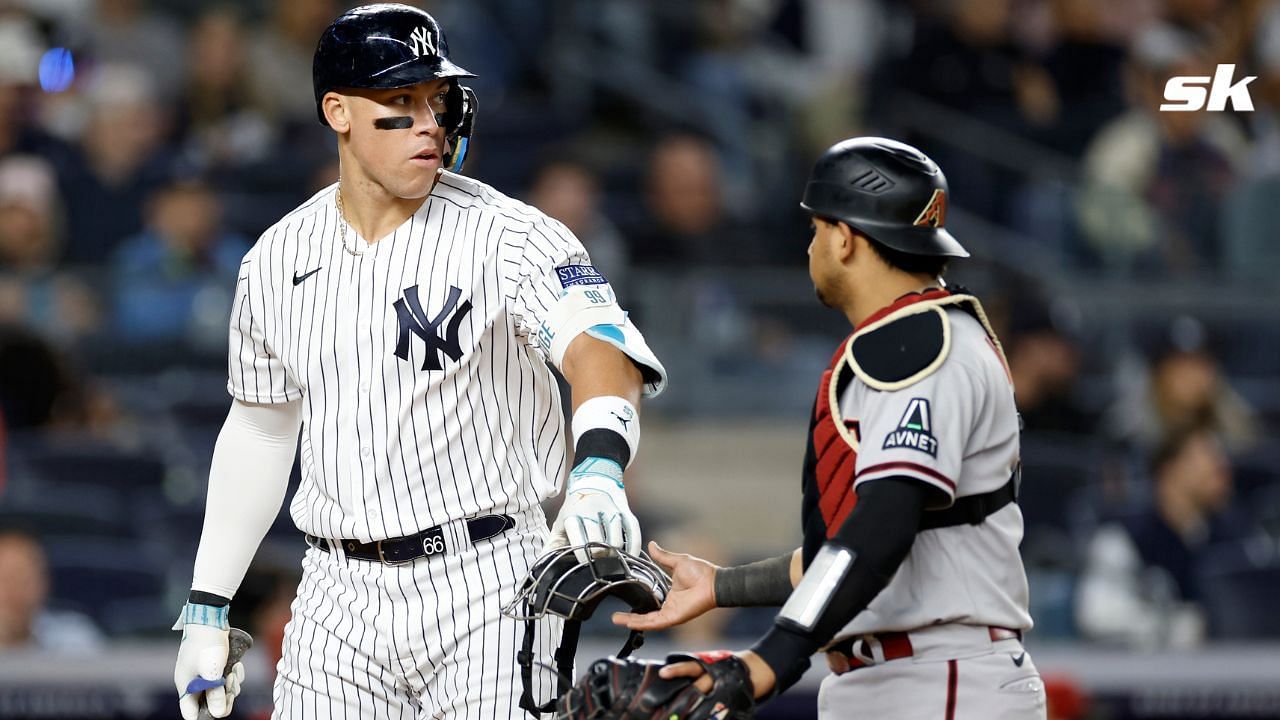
459, 122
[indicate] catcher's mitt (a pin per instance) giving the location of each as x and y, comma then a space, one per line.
630, 689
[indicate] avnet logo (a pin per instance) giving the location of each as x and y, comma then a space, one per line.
1186, 94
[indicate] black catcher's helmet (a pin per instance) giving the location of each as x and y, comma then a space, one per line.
390, 45
886, 190
562, 585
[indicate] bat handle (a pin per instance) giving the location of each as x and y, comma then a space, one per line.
238, 643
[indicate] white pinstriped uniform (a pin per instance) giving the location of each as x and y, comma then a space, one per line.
391, 446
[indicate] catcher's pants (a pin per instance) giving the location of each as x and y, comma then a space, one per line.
422, 640
956, 672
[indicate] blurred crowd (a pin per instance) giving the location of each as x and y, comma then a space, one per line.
144, 145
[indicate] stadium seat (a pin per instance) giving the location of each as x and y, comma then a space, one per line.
1240, 601
119, 584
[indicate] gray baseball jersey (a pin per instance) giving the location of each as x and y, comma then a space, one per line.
957, 430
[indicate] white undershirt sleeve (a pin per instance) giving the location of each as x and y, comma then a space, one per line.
247, 483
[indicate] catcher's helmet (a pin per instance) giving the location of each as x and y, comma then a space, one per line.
562, 585
886, 190
390, 45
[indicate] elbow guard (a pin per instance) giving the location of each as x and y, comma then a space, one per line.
593, 309
811, 601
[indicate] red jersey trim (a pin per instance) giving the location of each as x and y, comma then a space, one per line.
904, 465
908, 299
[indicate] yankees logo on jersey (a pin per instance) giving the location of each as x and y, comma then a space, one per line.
413, 321
418, 358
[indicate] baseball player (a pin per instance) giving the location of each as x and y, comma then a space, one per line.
909, 576
402, 321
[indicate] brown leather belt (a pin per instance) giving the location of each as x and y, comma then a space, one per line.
897, 645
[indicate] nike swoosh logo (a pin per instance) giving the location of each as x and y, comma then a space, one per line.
1019, 659
297, 279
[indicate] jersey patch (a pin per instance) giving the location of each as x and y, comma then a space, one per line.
915, 430
579, 275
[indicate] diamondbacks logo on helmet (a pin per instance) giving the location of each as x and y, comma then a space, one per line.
935, 213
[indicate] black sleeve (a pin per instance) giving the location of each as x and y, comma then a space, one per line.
880, 531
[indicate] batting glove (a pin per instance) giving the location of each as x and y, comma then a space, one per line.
595, 510
200, 672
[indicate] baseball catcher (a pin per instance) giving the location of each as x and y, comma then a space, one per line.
909, 577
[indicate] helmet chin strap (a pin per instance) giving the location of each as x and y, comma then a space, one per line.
562, 663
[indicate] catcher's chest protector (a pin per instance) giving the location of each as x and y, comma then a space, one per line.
893, 349
831, 456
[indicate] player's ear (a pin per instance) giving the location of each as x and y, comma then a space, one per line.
848, 239
337, 111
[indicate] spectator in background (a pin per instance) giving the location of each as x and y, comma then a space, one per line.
686, 221
1085, 62
569, 191
1139, 584
217, 121
118, 163
173, 281
280, 53
20, 49
26, 623
41, 389
32, 291
1154, 181
1044, 362
128, 32
1185, 386
1264, 122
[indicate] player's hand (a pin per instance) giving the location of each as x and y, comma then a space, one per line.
595, 510
760, 674
693, 592
198, 674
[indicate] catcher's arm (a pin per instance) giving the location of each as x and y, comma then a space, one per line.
698, 586
846, 575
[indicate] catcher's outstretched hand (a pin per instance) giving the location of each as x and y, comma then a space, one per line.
693, 592
630, 689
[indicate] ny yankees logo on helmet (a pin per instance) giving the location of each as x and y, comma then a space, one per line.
413, 321
423, 42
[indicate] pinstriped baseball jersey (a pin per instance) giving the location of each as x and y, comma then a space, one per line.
425, 393
956, 430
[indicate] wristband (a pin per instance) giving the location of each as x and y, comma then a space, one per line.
761, 583
199, 597
611, 413
196, 614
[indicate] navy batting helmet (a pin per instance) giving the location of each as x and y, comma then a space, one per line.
390, 45
886, 190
